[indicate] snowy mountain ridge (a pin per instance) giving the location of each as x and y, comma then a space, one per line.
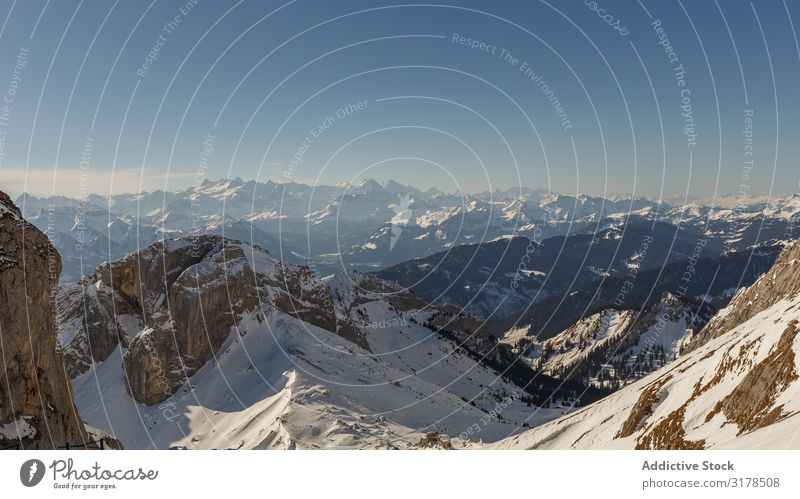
211, 343
352, 224
736, 389
615, 346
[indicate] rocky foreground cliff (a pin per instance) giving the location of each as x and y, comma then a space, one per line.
36, 405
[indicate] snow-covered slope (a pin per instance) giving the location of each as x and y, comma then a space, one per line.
285, 384
737, 389
614, 347
237, 350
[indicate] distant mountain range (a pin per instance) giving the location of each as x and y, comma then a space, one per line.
370, 226
502, 277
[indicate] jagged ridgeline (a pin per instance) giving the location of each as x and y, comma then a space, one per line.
241, 350
370, 226
734, 385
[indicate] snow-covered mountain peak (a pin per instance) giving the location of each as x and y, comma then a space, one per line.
366, 186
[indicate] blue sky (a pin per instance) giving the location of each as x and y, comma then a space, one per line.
393, 94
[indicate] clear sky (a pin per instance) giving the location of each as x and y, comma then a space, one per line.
620, 97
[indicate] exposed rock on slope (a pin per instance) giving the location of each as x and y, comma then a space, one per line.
174, 303
92, 306
777, 284
738, 389
231, 348
36, 406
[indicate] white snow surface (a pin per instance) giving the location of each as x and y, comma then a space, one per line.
283, 383
731, 356
17, 429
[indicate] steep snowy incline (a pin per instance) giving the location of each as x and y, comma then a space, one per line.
738, 389
285, 384
219, 345
615, 347
777, 284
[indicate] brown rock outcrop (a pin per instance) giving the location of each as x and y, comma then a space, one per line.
174, 304
36, 406
781, 282
86, 307
183, 297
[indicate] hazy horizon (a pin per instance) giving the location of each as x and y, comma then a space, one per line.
465, 97
721, 200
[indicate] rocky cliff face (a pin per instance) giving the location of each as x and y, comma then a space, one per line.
174, 303
779, 283
36, 405
85, 307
